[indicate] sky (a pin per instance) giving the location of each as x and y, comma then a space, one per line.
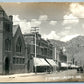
41, 0
56, 20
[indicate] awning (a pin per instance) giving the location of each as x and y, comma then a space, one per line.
52, 62
64, 65
74, 66
40, 62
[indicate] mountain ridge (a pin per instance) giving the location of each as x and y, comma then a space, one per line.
74, 48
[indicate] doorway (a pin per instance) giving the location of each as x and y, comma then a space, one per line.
28, 66
7, 61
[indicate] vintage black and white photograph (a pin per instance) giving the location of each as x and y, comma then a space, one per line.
42, 42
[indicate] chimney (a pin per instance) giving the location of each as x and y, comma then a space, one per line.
10, 17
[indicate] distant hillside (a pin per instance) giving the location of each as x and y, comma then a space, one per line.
75, 48
57, 43
78, 41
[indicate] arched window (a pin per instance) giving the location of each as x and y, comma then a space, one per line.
8, 44
19, 45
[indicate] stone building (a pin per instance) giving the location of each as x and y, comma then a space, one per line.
12, 46
19, 53
5, 42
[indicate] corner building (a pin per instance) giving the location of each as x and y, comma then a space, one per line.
44, 59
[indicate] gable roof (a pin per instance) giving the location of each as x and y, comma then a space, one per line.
1, 9
5, 15
17, 33
15, 27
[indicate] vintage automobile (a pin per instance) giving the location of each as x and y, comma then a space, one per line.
80, 70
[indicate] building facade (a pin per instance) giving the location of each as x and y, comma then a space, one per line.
5, 42
43, 52
19, 53
12, 46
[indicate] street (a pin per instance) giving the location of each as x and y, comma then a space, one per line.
63, 76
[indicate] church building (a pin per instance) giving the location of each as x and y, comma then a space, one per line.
12, 46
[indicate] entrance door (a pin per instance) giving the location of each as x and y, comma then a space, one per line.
28, 65
7, 65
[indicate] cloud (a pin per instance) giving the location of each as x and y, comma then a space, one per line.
43, 17
53, 22
35, 22
69, 19
69, 37
24, 24
83, 26
63, 33
77, 9
16, 18
65, 38
51, 35
67, 28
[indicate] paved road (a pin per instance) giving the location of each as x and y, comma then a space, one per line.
69, 75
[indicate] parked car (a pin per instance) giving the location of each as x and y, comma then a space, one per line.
80, 70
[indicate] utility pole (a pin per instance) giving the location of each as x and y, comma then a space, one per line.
34, 30
55, 57
55, 54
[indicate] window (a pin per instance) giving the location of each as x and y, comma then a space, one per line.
19, 45
32, 42
41, 51
28, 49
23, 60
45, 51
32, 48
8, 44
7, 27
18, 60
14, 60
1, 14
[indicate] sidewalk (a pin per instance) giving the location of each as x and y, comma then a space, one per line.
22, 75
17, 75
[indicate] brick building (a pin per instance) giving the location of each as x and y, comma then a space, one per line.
44, 59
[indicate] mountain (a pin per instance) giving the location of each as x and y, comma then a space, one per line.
57, 49
57, 43
75, 49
